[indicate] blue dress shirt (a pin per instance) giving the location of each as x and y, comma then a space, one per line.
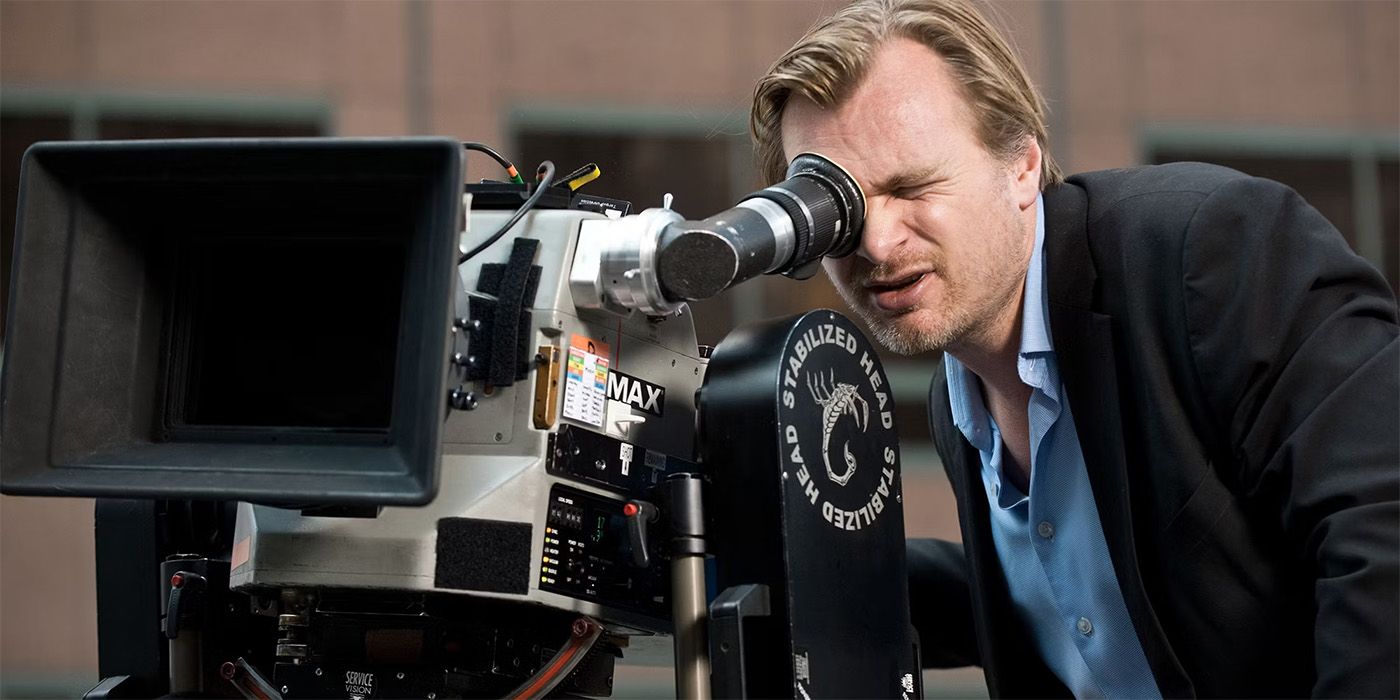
1050, 541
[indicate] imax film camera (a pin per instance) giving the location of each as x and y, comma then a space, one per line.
338, 456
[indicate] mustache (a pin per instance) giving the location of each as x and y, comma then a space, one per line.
898, 267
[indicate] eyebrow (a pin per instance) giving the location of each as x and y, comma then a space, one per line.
903, 180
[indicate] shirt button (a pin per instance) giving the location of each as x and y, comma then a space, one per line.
1086, 627
1045, 529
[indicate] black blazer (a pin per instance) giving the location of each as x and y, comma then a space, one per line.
1235, 374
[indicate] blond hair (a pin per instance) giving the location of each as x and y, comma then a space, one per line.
831, 59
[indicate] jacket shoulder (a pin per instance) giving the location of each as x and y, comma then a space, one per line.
1171, 184
1118, 183
1141, 216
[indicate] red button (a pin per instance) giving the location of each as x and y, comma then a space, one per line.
176, 581
630, 509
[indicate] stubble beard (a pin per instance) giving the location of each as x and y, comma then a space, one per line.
916, 330
963, 316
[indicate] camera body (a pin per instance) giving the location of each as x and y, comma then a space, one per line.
553, 488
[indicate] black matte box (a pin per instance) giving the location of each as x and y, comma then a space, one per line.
261, 320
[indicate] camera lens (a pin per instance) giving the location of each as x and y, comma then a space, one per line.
784, 229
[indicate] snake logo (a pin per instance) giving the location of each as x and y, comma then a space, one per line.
838, 399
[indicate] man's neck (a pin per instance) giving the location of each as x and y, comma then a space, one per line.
991, 353
992, 356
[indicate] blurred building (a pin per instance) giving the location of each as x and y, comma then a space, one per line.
657, 93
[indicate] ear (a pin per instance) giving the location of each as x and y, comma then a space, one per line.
1025, 174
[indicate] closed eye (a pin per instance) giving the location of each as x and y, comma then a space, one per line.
910, 185
913, 191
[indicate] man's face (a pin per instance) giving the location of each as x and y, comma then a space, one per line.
948, 226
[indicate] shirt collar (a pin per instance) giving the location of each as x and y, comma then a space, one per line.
1035, 308
965, 402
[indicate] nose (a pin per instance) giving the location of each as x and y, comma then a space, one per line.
882, 234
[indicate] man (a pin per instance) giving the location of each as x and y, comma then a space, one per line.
1169, 402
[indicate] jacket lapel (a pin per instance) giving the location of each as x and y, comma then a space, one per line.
1084, 348
1012, 666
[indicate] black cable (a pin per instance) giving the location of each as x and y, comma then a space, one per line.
540, 187
495, 155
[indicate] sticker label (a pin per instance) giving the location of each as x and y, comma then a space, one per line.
586, 381
240, 553
802, 672
625, 454
656, 462
637, 393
